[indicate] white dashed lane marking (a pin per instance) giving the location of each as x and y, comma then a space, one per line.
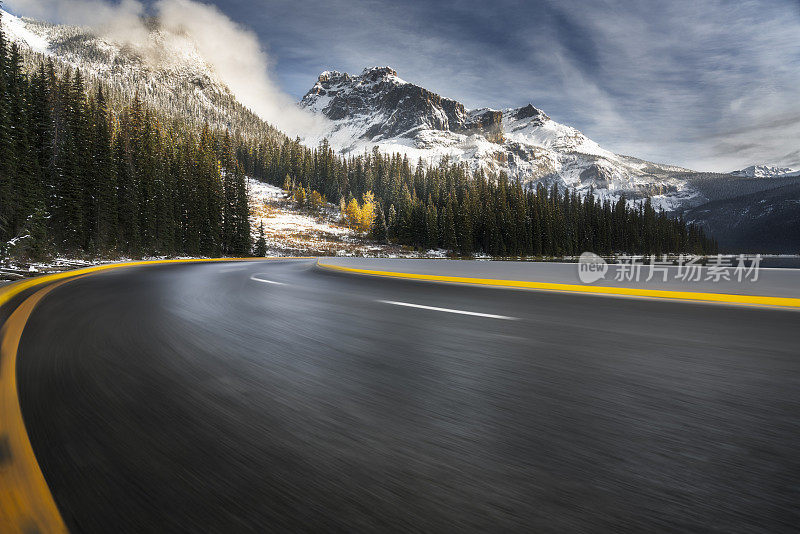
449, 310
255, 278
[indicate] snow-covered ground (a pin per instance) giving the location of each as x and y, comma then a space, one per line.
290, 230
18, 31
13, 269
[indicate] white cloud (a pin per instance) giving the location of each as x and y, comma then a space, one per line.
122, 19
238, 58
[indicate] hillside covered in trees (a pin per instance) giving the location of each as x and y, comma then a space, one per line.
78, 178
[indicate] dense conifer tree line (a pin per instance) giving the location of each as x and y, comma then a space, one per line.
445, 206
77, 178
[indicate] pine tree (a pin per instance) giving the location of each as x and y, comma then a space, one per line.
260, 249
464, 231
104, 179
449, 240
128, 195
379, 231
391, 222
37, 245
431, 226
7, 152
241, 229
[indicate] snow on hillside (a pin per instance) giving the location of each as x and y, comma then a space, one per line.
289, 231
18, 31
293, 231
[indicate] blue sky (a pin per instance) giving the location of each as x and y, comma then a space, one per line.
712, 85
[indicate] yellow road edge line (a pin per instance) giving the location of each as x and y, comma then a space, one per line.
26, 503
728, 298
12, 290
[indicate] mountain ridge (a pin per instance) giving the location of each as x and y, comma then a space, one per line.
765, 171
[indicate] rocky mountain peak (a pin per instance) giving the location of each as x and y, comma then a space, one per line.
384, 106
332, 76
377, 73
529, 111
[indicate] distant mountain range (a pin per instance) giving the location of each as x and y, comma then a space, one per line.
378, 109
765, 171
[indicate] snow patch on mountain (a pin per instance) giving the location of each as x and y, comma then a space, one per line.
17, 30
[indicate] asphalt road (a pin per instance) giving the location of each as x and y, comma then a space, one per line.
208, 398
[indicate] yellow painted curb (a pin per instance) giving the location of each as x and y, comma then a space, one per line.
26, 504
12, 290
727, 298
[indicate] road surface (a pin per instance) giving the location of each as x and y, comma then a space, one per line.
274, 396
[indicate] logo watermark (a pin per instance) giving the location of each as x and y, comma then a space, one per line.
683, 268
591, 268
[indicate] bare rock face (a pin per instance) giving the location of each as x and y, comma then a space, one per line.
398, 107
532, 112
596, 175
487, 122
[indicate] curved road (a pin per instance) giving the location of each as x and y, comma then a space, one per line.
273, 396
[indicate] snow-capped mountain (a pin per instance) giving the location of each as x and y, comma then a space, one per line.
765, 171
378, 108
163, 68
